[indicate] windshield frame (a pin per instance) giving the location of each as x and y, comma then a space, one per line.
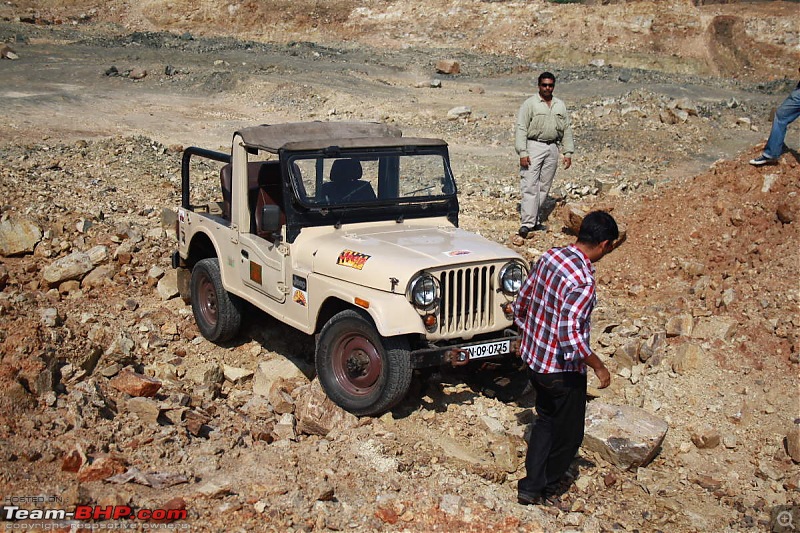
302, 214
383, 157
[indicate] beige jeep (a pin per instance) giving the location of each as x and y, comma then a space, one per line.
347, 231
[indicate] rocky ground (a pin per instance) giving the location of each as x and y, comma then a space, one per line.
698, 315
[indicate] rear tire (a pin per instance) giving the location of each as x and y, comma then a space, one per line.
361, 371
218, 313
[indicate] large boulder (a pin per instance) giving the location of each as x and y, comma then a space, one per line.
626, 436
74, 266
318, 415
18, 236
272, 370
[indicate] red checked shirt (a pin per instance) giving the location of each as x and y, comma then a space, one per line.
553, 311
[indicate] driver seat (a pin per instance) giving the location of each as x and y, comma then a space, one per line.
346, 184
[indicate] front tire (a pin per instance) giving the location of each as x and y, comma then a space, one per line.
361, 371
218, 313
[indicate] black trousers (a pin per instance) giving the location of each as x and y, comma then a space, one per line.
557, 432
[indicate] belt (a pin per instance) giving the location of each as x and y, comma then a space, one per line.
543, 142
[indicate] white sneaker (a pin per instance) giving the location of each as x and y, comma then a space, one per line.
762, 160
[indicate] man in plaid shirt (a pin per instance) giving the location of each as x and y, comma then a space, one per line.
553, 311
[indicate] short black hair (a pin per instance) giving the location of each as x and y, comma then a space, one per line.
598, 226
546, 76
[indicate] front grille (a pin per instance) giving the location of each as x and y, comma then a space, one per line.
467, 296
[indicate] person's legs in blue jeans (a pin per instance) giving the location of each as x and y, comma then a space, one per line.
787, 112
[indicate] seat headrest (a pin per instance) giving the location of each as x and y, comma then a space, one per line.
344, 170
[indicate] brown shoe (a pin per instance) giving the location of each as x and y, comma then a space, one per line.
557, 503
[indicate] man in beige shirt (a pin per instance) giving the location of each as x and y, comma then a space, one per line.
543, 126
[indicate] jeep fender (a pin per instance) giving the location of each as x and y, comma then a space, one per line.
391, 312
205, 244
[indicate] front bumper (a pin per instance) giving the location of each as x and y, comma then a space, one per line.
459, 354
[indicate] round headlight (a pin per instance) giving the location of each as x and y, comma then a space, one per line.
422, 291
511, 277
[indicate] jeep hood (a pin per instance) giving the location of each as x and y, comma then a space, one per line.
373, 256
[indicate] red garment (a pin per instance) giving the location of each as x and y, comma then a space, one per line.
553, 311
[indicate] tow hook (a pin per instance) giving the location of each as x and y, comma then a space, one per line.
457, 356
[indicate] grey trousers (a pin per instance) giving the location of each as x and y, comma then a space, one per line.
535, 181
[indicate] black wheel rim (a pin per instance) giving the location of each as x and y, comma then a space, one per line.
357, 364
207, 304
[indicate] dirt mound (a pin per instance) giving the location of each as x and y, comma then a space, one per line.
724, 240
670, 36
698, 310
733, 51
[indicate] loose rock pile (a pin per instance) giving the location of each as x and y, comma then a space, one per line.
104, 364
111, 397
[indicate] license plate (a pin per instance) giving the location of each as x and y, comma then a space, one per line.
488, 349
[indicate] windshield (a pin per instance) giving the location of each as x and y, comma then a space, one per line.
389, 177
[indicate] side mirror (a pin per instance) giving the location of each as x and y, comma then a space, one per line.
270, 219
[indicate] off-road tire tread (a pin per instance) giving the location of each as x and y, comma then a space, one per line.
396, 364
229, 306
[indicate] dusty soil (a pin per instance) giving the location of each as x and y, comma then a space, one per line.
92, 156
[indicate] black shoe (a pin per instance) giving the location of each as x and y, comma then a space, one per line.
523, 232
529, 498
540, 227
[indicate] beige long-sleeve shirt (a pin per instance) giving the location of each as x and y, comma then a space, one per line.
538, 121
